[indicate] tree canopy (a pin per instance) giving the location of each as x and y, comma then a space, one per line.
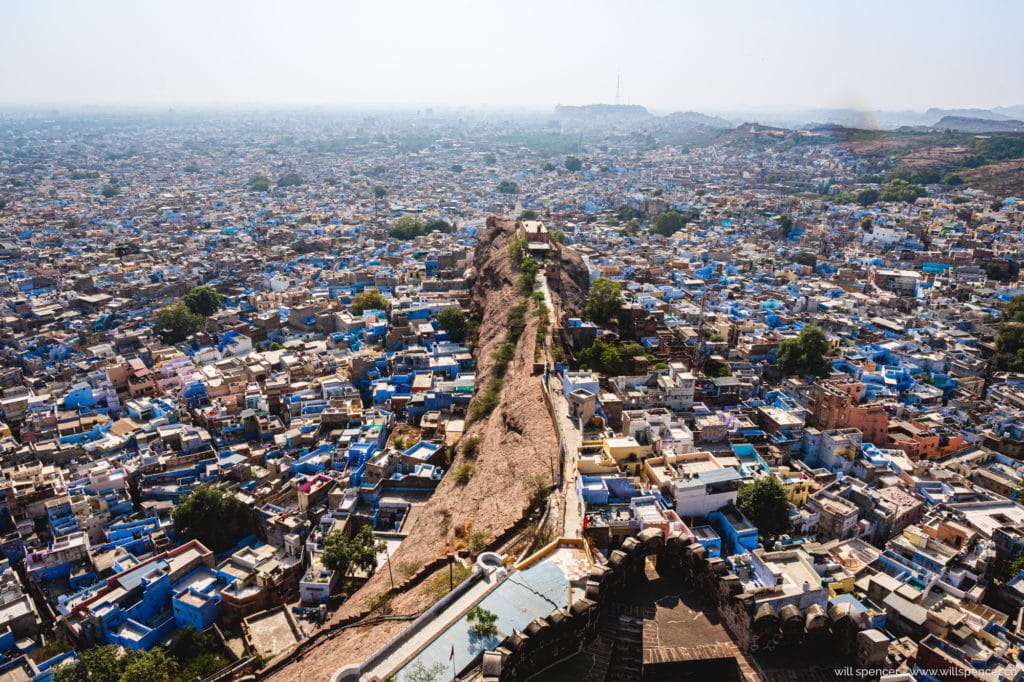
866, 197
259, 183
806, 354
379, 191
573, 163
604, 300
453, 320
110, 190
212, 516
601, 356
344, 554
764, 502
439, 226
508, 187
667, 223
528, 214
482, 621
1009, 355
102, 664
371, 299
203, 300
408, 227
902, 191
175, 322
290, 180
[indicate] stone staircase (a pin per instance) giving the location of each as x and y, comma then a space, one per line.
626, 633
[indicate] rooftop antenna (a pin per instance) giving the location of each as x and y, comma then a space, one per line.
618, 91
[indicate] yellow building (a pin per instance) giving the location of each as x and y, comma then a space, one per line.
627, 453
798, 488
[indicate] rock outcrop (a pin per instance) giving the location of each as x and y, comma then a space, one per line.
517, 453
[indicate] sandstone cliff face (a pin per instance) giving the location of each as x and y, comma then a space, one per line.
518, 449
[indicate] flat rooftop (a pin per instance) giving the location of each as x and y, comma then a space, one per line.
271, 631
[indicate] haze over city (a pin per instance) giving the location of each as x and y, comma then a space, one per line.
542, 341
714, 56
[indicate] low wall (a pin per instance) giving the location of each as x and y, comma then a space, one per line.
565, 632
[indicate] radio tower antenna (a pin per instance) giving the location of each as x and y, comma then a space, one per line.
618, 82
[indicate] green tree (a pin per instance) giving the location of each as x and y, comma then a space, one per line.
212, 516
601, 356
371, 299
865, 223
573, 164
438, 226
558, 237
456, 168
604, 301
344, 554
3, 203
806, 354
203, 300
110, 190
259, 183
290, 180
102, 664
175, 322
785, 223
1009, 355
490, 159
764, 502
516, 248
528, 214
482, 621
713, 368
453, 320
1014, 310
866, 197
379, 191
667, 223
408, 227
148, 666
508, 187
902, 191
98, 664
529, 267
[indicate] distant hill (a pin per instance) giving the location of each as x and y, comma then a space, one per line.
692, 119
934, 115
968, 124
1016, 111
752, 135
603, 111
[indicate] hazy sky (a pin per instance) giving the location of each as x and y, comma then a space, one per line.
680, 54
